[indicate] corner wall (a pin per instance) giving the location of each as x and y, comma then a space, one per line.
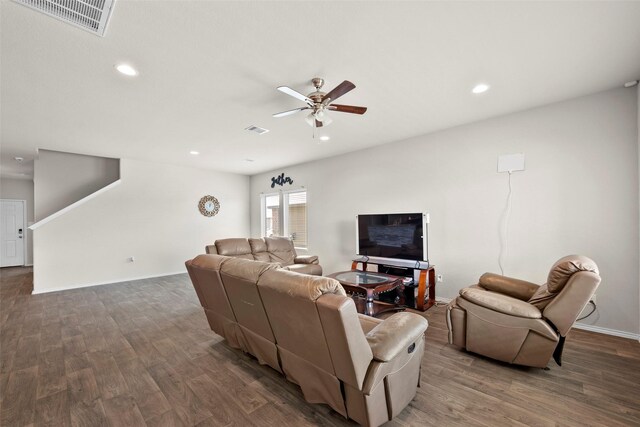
152, 215
578, 194
21, 189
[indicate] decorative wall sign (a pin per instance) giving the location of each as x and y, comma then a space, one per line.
209, 206
281, 180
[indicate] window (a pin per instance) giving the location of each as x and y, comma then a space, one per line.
271, 223
296, 217
285, 214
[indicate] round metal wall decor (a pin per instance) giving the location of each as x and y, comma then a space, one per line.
209, 206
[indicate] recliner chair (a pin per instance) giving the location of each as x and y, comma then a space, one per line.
519, 322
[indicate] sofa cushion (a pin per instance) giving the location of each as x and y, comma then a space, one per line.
500, 303
239, 277
312, 269
259, 250
542, 297
280, 250
565, 267
204, 271
306, 259
515, 288
300, 286
246, 269
238, 248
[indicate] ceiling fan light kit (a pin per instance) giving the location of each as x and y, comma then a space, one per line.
319, 102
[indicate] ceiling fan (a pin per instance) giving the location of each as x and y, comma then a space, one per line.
319, 102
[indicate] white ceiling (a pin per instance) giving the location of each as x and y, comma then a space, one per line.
208, 69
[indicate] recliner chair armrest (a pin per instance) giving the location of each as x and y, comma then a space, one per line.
306, 259
501, 303
395, 335
368, 323
515, 288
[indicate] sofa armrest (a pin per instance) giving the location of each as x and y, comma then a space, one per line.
211, 249
501, 303
368, 323
306, 259
395, 335
516, 288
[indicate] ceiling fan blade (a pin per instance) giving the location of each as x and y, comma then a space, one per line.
289, 112
347, 108
337, 92
295, 94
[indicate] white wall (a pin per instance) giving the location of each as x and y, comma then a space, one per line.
579, 194
152, 215
21, 189
61, 179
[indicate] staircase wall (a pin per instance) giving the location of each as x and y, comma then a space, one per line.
152, 216
61, 179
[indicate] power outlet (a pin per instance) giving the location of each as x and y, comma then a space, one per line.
439, 278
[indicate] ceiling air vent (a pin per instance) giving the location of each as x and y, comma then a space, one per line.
257, 129
90, 15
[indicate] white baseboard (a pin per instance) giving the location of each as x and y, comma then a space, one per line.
607, 331
109, 282
591, 328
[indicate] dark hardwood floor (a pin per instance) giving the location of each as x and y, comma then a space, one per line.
141, 353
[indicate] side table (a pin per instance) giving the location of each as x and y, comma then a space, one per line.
369, 284
426, 284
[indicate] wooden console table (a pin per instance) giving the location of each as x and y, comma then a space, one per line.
426, 284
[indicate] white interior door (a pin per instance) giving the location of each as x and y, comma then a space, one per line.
12, 233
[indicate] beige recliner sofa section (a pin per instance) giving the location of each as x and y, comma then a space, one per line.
519, 322
268, 249
307, 328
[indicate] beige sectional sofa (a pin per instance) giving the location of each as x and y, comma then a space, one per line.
268, 249
307, 328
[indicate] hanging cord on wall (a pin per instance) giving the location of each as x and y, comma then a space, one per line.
595, 307
504, 235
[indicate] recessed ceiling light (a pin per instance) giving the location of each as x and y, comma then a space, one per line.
195, 153
632, 83
127, 70
18, 159
480, 88
324, 138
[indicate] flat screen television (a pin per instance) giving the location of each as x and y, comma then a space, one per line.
393, 238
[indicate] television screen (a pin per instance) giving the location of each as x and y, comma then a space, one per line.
395, 236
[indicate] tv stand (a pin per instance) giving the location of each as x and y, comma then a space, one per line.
426, 297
